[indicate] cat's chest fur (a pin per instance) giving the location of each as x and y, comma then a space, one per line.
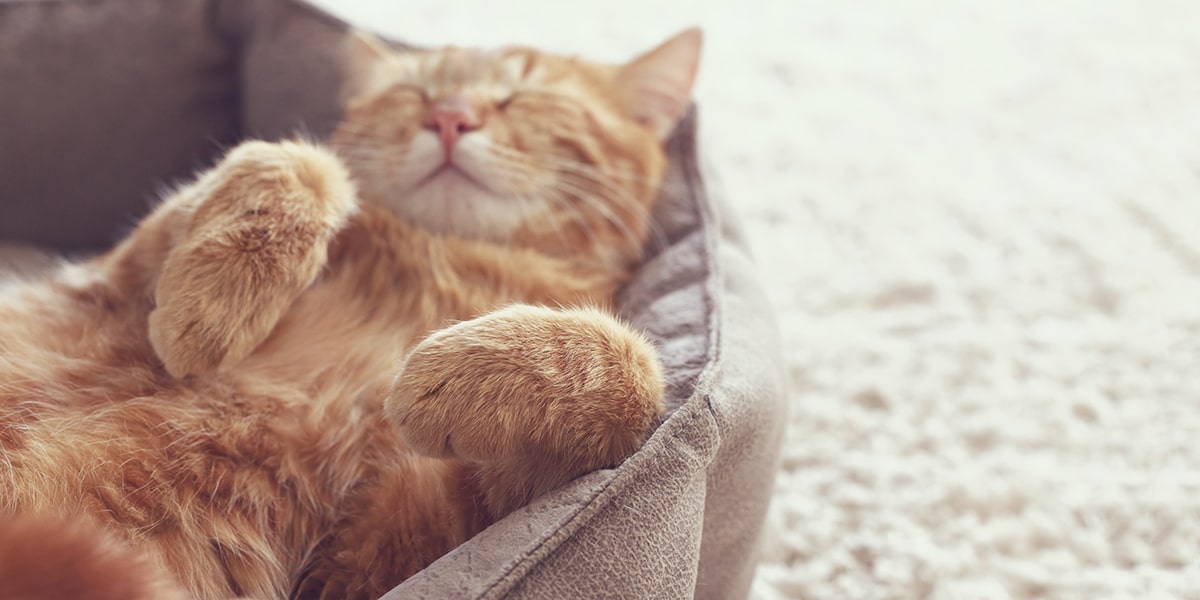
386, 287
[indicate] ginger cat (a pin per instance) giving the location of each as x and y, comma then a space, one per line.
243, 398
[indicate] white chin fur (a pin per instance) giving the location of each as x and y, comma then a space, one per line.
468, 200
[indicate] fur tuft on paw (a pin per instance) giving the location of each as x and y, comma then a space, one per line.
575, 387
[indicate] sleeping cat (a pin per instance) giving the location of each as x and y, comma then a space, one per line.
313, 370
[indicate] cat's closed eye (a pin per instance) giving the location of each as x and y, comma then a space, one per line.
402, 87
503, 103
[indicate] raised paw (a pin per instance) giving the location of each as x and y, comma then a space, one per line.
573, 388
258, 237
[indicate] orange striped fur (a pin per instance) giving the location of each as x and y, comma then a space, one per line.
312, 371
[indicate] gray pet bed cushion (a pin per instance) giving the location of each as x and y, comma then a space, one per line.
103, 102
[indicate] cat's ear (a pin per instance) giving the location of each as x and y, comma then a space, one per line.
366, 56
657, 86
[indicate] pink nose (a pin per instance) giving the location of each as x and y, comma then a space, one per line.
451, 118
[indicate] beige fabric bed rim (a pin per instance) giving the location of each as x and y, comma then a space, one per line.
105, 101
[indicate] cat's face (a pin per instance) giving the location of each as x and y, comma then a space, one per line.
516, 145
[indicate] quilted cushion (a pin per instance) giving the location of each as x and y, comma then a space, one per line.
105, 102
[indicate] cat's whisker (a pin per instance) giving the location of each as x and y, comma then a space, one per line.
578, 216
595, 204
624, 200
611, 189
635, 241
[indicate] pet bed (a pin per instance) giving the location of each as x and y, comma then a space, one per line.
103, 102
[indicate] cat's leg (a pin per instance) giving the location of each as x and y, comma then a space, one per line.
534, 396
239, 245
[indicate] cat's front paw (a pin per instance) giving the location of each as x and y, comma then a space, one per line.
259, 236
573, 387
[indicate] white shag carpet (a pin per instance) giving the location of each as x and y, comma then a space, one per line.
979, 223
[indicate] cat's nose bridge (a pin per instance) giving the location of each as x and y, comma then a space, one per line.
452, 117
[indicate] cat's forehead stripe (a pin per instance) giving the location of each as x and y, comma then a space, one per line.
471, 66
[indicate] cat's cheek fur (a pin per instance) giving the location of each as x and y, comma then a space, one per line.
574, 386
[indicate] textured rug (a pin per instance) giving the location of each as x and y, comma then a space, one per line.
980, 226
